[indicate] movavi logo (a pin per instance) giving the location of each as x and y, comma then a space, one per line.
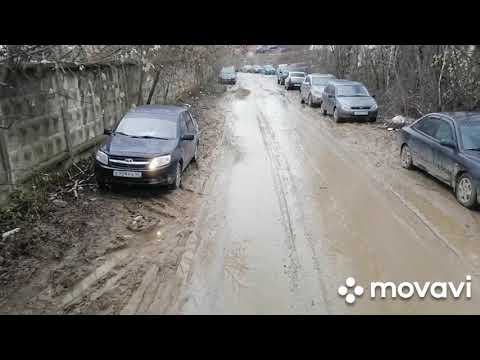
406, 290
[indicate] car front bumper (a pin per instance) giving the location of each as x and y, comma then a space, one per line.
316, 100
350, 114
162, 176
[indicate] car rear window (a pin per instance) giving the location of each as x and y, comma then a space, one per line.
144, 126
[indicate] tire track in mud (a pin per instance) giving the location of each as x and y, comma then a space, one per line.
370, 172
122, 277
161, 290
287, 199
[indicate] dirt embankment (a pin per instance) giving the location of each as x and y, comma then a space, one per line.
87, 251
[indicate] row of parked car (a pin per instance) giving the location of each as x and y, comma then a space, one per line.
445, 145
259, 69
153, 144
344, 99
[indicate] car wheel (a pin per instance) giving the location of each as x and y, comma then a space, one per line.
324, 111
195, 154
374, 119
102, 185
336, 117
465, 191
178, 177
406, 157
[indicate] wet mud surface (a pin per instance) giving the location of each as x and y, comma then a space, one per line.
283, 206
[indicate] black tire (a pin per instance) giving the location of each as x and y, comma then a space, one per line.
102, 185
309, 101
374, 119
406, 157
335, 116
195, 154
178, 177
465, 191
324, 111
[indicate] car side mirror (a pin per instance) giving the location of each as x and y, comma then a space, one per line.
188, 137
107, 132
448, 143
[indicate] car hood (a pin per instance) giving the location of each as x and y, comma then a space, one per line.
356, 101
473, 155
120, 145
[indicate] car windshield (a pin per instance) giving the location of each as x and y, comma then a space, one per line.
297, 74
147, 127
352, 90
229, 70
470, 134
320, 80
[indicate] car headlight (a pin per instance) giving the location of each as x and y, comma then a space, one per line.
374, 107
160, 161
101, 157
344, 106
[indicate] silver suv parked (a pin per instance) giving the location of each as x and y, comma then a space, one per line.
346, 99
312, 88
294, 79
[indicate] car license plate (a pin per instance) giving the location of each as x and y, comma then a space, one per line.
360, 113
129, 174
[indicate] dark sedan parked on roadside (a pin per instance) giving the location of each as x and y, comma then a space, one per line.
152, 144
345, 99
447, 146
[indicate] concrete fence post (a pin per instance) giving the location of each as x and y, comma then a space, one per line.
63, 101
5, 157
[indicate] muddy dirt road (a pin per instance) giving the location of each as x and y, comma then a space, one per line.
298, 204
282, 207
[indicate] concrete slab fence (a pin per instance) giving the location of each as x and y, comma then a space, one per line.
49, 116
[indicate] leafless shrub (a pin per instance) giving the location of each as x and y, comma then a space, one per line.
409, 79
